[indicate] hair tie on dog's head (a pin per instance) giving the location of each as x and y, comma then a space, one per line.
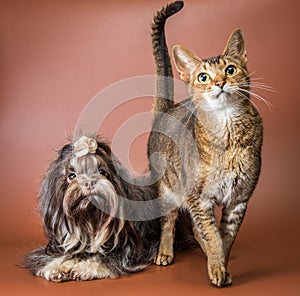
84, 146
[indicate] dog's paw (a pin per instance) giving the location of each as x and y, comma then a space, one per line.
57, 276
90, 269
57, 270
164, 260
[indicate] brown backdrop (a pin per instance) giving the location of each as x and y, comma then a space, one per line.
55, 55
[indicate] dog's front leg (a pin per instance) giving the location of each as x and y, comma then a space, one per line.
62, 269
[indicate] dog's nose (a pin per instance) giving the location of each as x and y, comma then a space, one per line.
90, 184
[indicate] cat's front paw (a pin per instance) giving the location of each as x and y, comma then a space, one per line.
164, 260
219, 277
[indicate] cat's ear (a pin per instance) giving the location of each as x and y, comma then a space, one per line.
186, 62
235, 47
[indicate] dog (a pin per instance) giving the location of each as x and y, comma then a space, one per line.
99, 222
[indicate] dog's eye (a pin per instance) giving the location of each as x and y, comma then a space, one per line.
104, 173
71, 177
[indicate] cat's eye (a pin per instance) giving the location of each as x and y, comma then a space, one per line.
71, 177
104, 173
231, 70
203, 77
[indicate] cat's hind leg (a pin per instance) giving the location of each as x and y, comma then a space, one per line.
199, 239
165, 254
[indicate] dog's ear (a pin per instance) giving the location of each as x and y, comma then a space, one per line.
54, 183
66, 151
103, 148
53, 188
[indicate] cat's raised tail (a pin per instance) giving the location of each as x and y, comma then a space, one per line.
164, 84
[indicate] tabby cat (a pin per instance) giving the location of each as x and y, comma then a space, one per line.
211, 145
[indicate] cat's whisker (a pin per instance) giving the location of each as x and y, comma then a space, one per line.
258, 97
238, 90
249, 75
247, 98
193, 112
187, 103
252, 78
257, 84
263, 87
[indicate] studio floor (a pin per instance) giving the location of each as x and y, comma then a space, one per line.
263, 262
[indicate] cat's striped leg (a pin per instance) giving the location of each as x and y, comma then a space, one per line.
165, 254
199, 239
232, 218
206, 226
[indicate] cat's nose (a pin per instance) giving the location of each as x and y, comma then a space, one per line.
220, 83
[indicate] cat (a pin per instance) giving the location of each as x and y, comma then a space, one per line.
209, 145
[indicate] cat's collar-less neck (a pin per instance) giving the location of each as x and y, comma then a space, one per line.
221, 105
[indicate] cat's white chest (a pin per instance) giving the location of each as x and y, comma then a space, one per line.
224, 116
217, 118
